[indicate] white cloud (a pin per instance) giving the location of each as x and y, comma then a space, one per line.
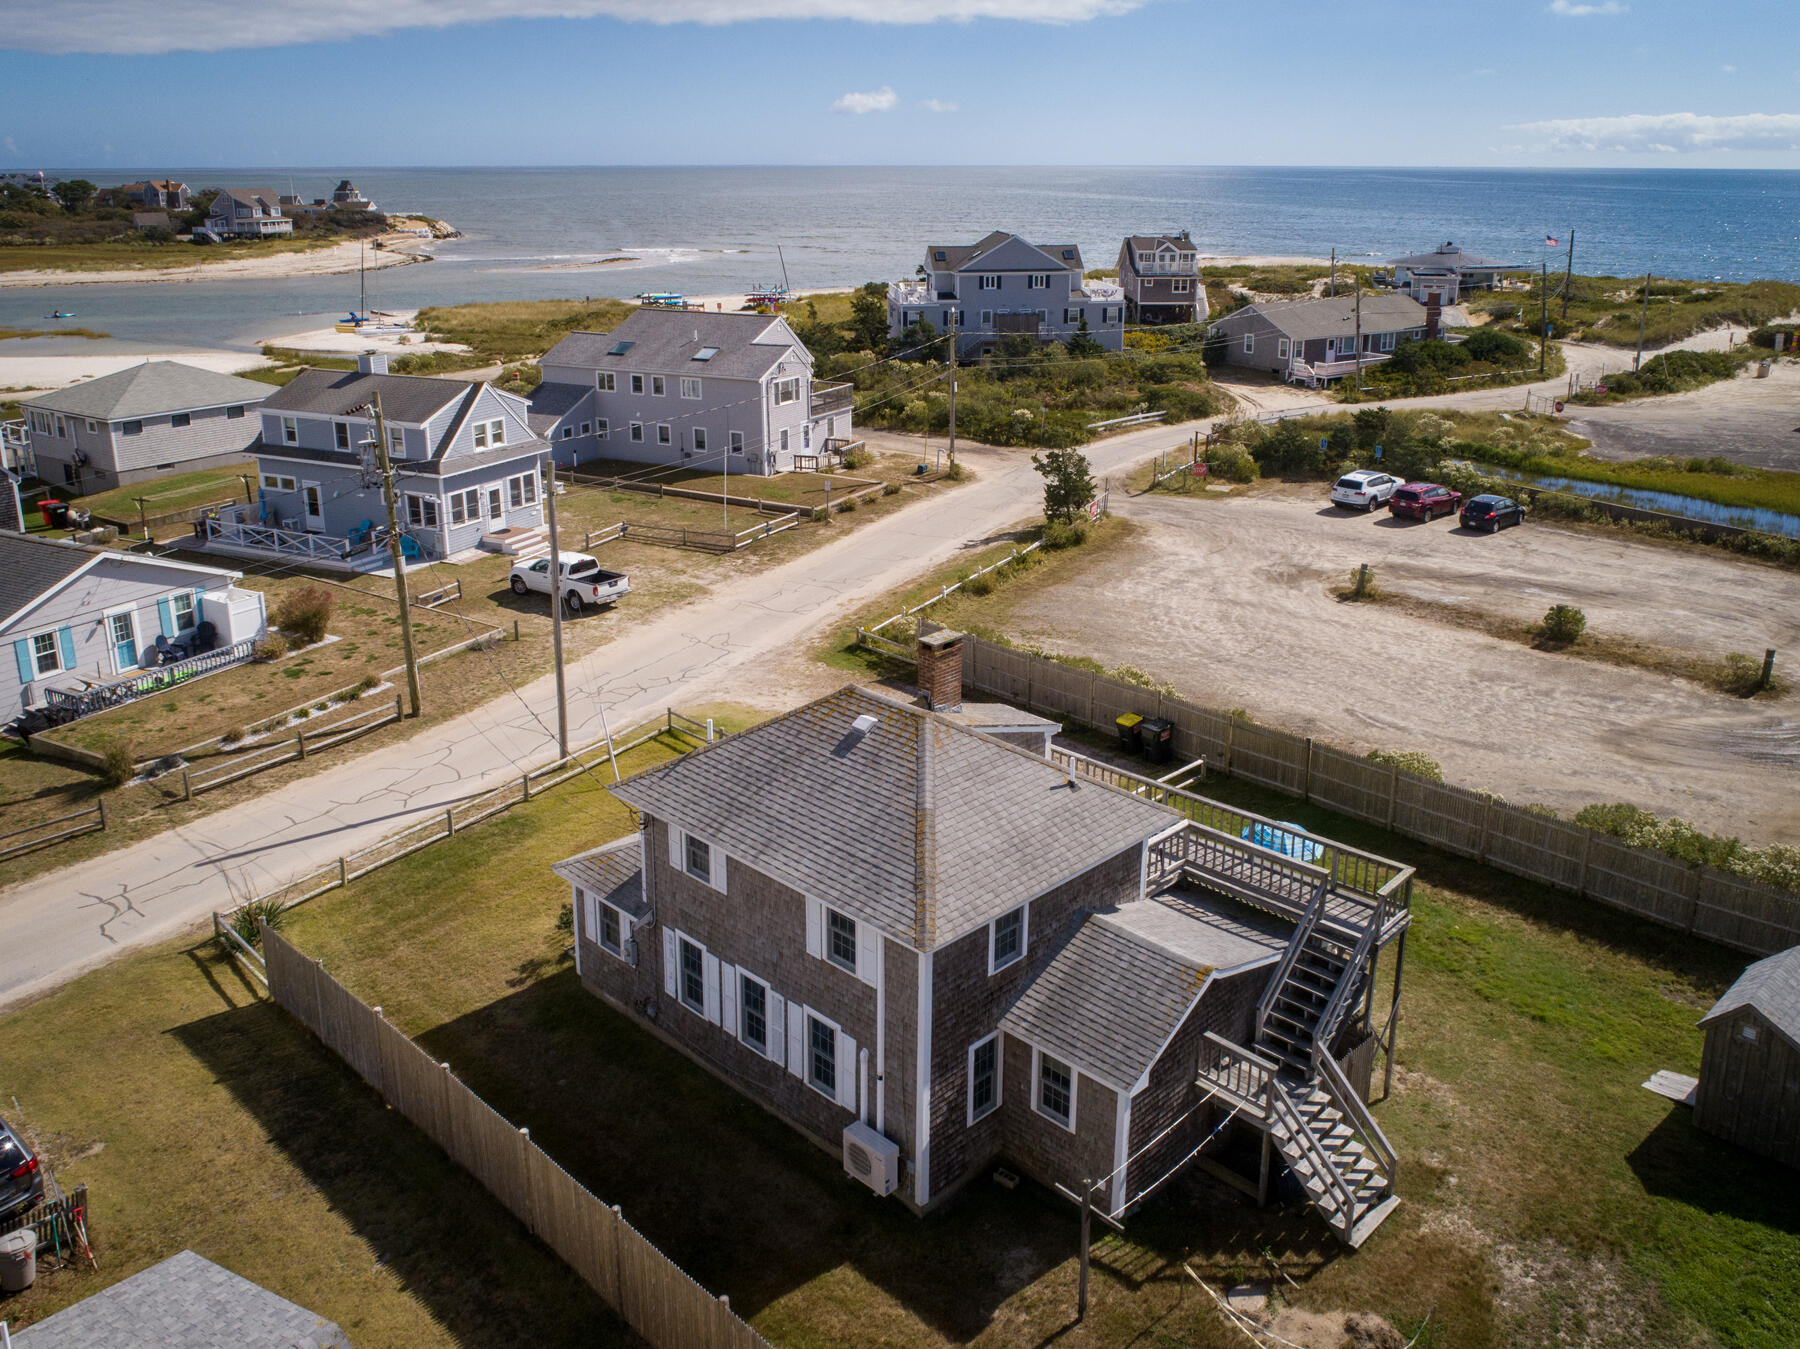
1577, 9
11, 146
142, 27
1669, 133
937, 105
1729, 70
876, 100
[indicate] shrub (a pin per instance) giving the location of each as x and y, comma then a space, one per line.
1563, 624
304, 613
1412, 761
954, 473
118, 766
1059, 534
232, 736
981, 583
248, 918
368, 684
890, 489
1496, 347
1740, 674
850, 504
270, 646
1230, 462
1362, 584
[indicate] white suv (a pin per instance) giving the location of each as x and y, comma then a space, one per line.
1365, 489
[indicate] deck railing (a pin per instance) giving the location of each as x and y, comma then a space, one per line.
146, 682
270, 539
830, 398
1241, 1075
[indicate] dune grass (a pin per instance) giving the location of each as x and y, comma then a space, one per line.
510, 330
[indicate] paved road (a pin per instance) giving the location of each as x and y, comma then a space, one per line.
56, 925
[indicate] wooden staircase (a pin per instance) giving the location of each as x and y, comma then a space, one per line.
1349, 1182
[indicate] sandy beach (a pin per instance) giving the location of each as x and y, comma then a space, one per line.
397, 250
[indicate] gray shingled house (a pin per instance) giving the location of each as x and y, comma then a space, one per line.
138, 423
1749, 1090
730, 393
1160, 274
929, 949
1317, 341
1446, 272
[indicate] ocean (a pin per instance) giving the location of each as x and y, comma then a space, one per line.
703, 230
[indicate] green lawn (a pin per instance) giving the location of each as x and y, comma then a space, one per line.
508, 330
170, 492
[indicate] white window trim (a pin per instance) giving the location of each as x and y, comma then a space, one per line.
659, 386
279, 482
787, 390
606, 382
689, 382
987, 318
681, 938
771, 1033
423, 502
396, 442
600, 428
828, 950
1249, 344
839, 1039
112, 647
637, 432
55, 635
999, 1074
737, 441
1281, 348
699, 434
193, 609
715, 857
290, 431
993, 932
665, 434
1037, 1082
637, 384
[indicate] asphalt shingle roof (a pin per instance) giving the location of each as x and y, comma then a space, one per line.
29, 567
611, 873
920, 826
665, 341
185, 1300
1336, 317
1451, 258
1770, 987
149, 390
412, 399
958, 256
550, 403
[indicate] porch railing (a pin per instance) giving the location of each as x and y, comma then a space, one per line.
271, 539
830, 398
146, 682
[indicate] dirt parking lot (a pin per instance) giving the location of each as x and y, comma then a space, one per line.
1750, 421
1229, 598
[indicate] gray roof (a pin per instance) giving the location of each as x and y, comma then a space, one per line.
611, 873
250, 196
149, 390
30, 566
413, 399
999, 716
185, 1300
435, 467
1451, 258
922, 827
665, 342
1336, 317
958, 256
1771, 988
1122, 984
550, 403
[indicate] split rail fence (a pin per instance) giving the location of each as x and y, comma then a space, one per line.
301, 744
18, 842
1689, 897
703, 540
650, 1293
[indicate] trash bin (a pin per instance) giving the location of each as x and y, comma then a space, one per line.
1158, 739
18, 1260
1128, 732
55, 513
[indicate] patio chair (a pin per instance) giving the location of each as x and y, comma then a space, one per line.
205, 638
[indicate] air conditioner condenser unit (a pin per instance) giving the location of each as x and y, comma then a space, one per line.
871, 1158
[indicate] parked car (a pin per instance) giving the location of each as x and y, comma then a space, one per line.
1365, 489
1490, 512
21, 1178
1424, 501
584, 581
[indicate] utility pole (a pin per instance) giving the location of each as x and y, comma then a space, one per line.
953, 396
1087, 1209
1334, 273
1568, 277
556, 609
1359, 334
1543, 315
397, 552
1643, 317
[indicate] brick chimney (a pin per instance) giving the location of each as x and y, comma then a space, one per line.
372, 363
1434, 315
941, 669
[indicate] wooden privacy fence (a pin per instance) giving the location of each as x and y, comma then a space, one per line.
1731, 910
300, 745
18, 842
649, 1291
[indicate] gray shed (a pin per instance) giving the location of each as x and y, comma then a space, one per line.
1749, 1091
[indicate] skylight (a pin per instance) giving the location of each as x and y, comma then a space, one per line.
706, 353
938, 256
620, 348
1068, 254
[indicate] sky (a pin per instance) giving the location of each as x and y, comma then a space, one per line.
242, 83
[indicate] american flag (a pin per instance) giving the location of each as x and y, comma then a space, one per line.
1551, 241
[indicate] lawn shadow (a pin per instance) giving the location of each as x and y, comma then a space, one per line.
1677, 1161
751, 1209
447, 1242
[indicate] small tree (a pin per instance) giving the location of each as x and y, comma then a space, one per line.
1563, 623
869, 317
74, 194
303, 615
1083, 343
1068, 485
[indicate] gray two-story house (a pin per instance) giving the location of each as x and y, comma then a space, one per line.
140, 422
247, 213
465, 459
929, 949
1316, 341
1005, 287
1160, 275
725, 392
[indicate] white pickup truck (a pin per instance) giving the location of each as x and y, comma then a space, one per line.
584, 581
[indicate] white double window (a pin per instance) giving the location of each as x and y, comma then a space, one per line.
1037, 281
491, 432
465, 506
522, 490
606, 381
421, 512
989, 282
787, 391
690, 388
277, 482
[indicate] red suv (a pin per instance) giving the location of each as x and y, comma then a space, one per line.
1424, 500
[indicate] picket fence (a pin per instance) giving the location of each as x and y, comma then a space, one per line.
649, 1291
1731, 910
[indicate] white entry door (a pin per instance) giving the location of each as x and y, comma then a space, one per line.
496, 509
315, 507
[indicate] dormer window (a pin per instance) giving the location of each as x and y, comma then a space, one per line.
1038, 281
342, 431
990, 282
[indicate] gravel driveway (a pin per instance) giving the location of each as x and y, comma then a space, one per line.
1750, 421
1229, 599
